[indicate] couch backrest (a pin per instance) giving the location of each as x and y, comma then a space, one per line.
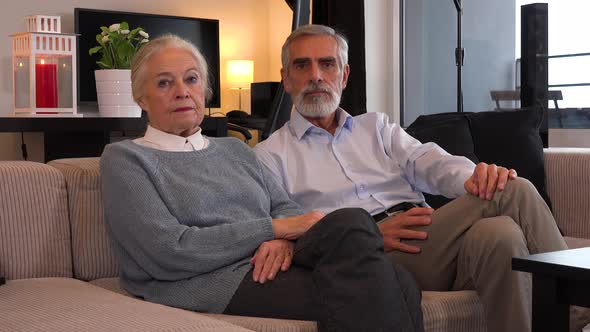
92, 253
34, 227
568, 184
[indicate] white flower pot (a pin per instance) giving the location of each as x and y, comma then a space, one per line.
113, 91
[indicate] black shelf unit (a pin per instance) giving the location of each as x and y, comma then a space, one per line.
87, 136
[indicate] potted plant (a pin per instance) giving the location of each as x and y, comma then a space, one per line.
117, 45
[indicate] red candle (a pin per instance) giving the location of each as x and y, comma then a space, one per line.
46, 85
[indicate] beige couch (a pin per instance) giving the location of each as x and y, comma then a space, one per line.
62, 275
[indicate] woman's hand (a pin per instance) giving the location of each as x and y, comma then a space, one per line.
271, 257
291, 228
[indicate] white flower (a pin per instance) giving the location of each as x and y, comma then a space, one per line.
143, 41
114, 27
144, 35
105, 39
104, 33
124, 32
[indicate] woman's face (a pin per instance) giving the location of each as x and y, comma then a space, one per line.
173, 92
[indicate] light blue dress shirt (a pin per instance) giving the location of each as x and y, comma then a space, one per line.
368, 163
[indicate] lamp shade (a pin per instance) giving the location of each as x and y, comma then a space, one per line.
240, 73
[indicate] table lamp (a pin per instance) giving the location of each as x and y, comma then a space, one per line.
240, 74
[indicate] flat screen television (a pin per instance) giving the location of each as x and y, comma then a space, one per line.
204, 33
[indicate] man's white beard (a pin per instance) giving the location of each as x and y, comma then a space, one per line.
317, 108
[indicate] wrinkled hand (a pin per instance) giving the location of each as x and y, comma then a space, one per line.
271, 257
399, 227
292, 228
486, 179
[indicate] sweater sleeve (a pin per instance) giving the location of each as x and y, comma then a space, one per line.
142, 226
281, 204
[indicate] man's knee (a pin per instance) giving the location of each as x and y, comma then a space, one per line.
354, 223
350, 218
521, 185
498, 234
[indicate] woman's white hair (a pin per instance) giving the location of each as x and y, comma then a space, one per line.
316, 30
156, 45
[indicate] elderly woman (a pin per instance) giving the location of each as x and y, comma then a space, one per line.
198, 223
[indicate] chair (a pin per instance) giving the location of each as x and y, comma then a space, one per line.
244, 131
505, 95
280, 113
514, 95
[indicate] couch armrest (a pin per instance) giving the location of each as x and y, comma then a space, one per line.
568, 185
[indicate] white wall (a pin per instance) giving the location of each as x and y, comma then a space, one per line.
248, 29
279, 28
382, 57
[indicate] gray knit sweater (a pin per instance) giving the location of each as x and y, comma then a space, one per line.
185, 224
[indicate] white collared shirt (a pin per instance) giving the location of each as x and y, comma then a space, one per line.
157, 139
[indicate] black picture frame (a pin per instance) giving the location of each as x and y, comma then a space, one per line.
204, 33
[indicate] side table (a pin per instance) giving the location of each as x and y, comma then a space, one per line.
560, 279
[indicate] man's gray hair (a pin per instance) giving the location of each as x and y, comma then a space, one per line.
316, 30
154, 46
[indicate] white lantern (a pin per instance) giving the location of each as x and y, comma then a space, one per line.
44, 69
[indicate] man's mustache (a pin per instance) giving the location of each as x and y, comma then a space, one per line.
315, 87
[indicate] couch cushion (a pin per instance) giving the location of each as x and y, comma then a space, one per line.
505, 138
568, 185
575, 242
451, 132
457, 311
62, 304
92, 253
111, 284
253, 323
511, 139
268, 324
34, 227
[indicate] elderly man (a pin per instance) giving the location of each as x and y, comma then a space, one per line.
327, 160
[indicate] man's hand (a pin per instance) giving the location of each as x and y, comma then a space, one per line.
399, 227
270, 257
486, 179
292, 228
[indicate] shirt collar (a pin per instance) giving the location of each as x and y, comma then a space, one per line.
174, 143
300, 126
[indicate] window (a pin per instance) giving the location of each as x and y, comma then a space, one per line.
569, 58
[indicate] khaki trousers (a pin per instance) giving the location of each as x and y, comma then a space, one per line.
471, 243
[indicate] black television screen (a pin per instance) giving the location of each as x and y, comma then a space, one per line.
204, 33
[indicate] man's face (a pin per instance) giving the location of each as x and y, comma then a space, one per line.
314, 77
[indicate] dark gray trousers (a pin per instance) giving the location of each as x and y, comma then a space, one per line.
341, 278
